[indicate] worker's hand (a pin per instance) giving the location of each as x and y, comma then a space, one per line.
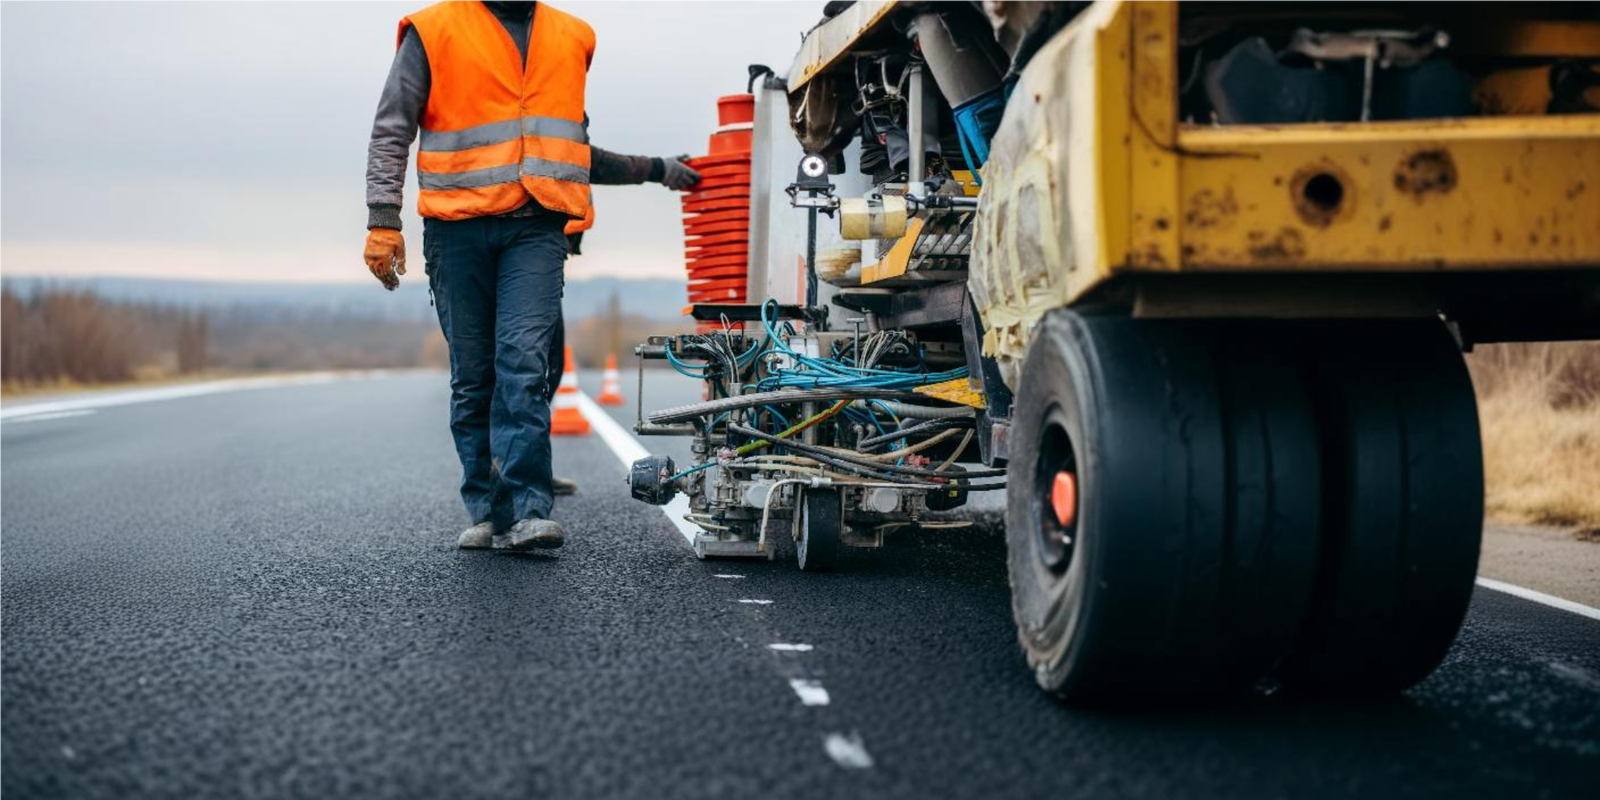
386, 256
677, 175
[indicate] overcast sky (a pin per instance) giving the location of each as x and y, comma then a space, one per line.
228, 140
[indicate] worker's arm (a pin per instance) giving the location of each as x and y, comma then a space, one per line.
606, 167
394, 128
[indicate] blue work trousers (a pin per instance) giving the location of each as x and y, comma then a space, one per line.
497, 285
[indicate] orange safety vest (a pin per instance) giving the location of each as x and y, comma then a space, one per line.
495, 130
580, 225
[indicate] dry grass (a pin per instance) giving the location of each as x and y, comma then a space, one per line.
1540, 411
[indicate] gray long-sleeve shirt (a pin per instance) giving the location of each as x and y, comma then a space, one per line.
405, 95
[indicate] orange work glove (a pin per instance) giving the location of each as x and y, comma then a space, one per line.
386, 256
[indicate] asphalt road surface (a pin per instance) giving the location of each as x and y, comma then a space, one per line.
256, 593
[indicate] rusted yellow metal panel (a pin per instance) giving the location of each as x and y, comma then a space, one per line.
831, 41
1483, 193
893, 264
1053, 216
1092, 177
1112, 144
957, 391
1153, 173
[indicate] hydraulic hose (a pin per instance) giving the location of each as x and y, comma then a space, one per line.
859, 462
916, 448
777, 397
928, 426
923, 412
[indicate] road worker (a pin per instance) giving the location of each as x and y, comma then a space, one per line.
504, 167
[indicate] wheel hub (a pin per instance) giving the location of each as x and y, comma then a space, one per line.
1064, 498
1056, 486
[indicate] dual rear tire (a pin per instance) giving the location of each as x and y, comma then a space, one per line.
1247, 503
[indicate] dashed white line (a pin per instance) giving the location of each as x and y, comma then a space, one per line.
847, 751
728, 576
811, 692
754, 602
52, 415
1540, 597
628, 450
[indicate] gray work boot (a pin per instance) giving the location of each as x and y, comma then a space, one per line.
561, 486
478, 537
544, 534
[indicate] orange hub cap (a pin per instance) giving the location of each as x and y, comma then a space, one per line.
1064, 498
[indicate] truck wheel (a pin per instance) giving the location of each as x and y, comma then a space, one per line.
1162, 507
821, 526
1404, 510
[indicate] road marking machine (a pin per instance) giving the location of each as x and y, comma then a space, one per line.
1189, 283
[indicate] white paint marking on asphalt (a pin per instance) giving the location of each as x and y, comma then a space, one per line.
811, 692
1576, 675
847, 751
1541, 598
628, 450
53, 415
728, 576
108, 399
749, 601
785, 647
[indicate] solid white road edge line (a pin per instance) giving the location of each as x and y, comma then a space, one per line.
811, 692
1540, 597
628, 450
53, 415
108, 399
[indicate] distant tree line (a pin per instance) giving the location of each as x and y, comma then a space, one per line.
49, 337
69, 335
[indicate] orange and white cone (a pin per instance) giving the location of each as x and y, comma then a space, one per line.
566, 419
611, 384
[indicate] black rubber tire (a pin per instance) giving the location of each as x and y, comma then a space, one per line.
821, 528
1196, 540
1403, 509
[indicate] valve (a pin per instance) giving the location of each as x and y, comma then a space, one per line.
649, 479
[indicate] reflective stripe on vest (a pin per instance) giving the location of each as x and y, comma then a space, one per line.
498, 129
497, 132
489, 176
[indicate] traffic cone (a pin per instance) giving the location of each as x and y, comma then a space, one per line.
566, 419
611, 384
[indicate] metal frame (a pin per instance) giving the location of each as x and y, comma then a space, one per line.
1482, 193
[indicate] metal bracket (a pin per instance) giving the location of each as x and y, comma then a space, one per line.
994, 422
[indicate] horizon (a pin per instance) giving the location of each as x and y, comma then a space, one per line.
239, 159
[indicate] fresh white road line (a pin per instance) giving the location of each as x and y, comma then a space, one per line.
749, 601
785, 647
1540, 597
53, 415
108, 399
628, 450
811, 692
847, 751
